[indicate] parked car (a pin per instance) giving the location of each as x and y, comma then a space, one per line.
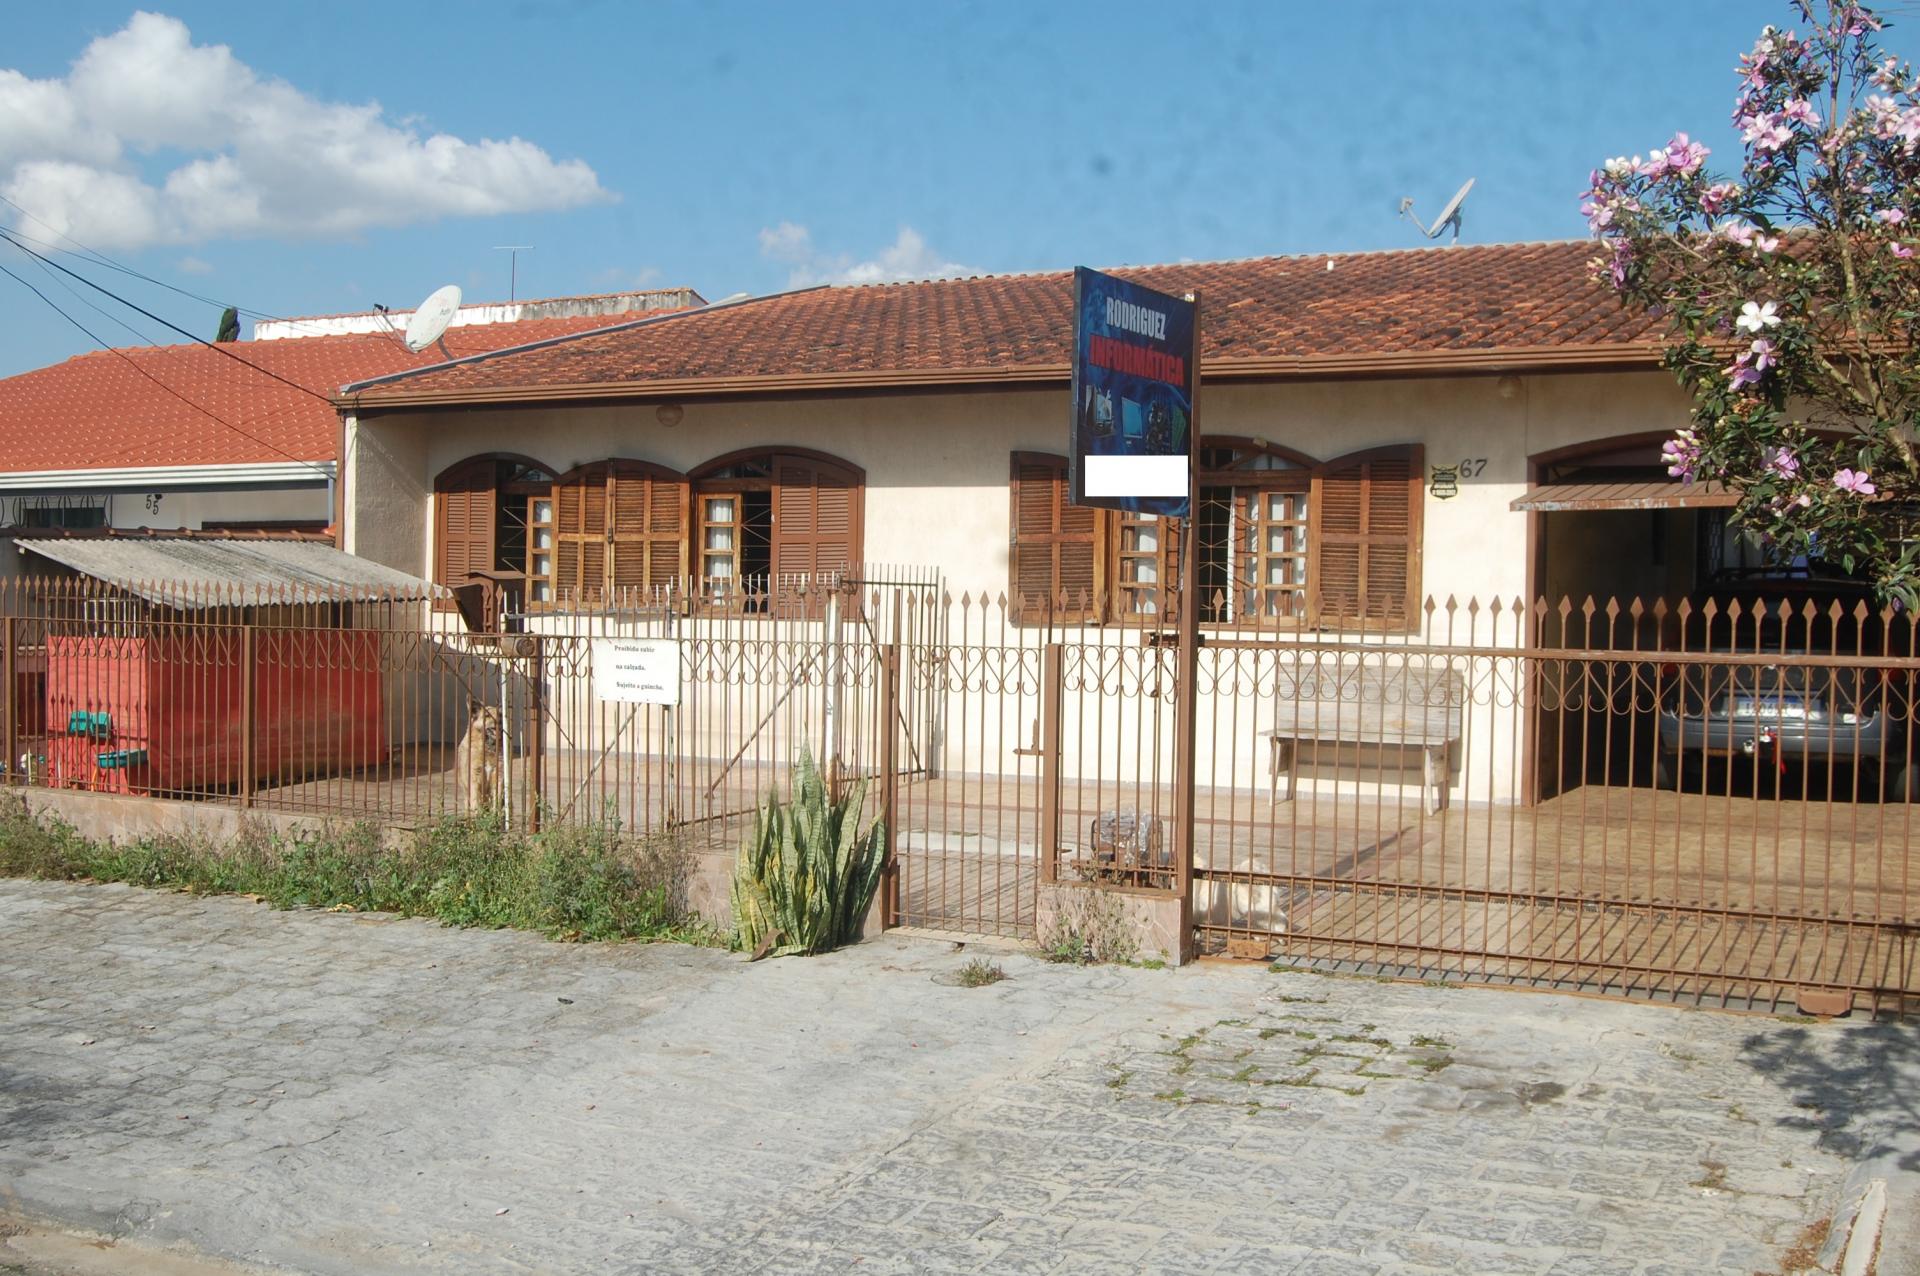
1791, 687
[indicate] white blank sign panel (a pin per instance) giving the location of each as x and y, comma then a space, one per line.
1136, 475
637, 670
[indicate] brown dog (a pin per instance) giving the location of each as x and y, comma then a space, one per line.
477, 760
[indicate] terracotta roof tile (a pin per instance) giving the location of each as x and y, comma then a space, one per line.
1486, 298
103, 410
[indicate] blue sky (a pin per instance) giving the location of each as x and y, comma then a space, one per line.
746, 147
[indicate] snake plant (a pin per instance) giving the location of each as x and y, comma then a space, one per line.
807, 872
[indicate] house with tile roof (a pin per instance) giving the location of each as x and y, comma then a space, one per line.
1490, 383
1378, 430
240, 436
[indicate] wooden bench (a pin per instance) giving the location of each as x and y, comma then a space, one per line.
1405, 706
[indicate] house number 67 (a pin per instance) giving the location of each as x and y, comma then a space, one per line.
1473, 467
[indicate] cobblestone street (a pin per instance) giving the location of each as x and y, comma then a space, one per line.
344, 1094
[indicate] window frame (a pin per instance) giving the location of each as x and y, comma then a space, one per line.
709, 479
443, 489
1230, 468
824, 530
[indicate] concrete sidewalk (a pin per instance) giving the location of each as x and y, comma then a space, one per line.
350, 1094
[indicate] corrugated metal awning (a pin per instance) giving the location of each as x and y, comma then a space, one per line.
192, 572
1650, 494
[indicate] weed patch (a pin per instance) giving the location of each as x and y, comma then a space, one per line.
569, 883
980, 972
1089, 927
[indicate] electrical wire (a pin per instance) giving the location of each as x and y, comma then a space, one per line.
101, 259
218, 347
135, 365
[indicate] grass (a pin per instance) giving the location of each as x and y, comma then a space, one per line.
570, 883
980, 972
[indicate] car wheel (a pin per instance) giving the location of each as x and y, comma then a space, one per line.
1666, 770
1902, 783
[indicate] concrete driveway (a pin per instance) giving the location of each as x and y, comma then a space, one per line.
351, 1094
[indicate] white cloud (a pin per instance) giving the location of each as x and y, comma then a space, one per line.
907, 257
153, 139
193, 266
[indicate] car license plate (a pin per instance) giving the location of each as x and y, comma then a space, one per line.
1769, 707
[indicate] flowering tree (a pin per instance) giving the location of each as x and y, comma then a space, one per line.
1790, 295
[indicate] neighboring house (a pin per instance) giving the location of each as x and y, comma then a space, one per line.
1475, 423
185, 436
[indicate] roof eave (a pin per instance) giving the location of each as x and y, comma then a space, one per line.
1601, 356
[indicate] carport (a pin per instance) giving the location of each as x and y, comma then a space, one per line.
1610, 529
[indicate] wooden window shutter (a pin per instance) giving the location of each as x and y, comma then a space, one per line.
1364, 538
465, 502
580, 535
1051, 550
816, 520
647, 527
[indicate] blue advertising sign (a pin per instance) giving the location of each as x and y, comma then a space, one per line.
1133, 371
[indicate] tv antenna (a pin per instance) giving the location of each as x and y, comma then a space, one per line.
513, 252
427, 325
1449, 216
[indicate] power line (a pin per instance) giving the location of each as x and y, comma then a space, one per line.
135, 365
99, 258
219, 347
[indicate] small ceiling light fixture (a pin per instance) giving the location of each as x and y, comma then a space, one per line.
669, 414
1507, 386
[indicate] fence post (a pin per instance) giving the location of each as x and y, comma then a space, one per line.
1050, 704
536, 729
249, 729
16, 773
890, 779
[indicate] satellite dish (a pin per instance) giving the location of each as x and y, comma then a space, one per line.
429, 321
1449, 216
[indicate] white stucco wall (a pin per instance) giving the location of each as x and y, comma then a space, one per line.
937, 467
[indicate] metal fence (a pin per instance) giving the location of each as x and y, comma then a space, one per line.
1700, 799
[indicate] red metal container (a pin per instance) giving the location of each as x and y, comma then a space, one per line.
163, 712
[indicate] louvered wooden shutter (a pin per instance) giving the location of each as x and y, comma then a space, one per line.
1051, 546
647, 533
1364, 536
465, 501
816, 520
580, 535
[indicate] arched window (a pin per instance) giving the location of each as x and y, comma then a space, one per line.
609, 526
1284, 541
482, 525
615, 526
1252, 523
776, 518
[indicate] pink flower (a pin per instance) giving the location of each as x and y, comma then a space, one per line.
1737, 232
1717, 197
1767, 132
1908, 126
1684, 155
1885, 114
1801, 111
1682, 455
1741, 375
1783, 462
1900, 250
1891, 216
1763, 354
1766, 243
1855, 481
